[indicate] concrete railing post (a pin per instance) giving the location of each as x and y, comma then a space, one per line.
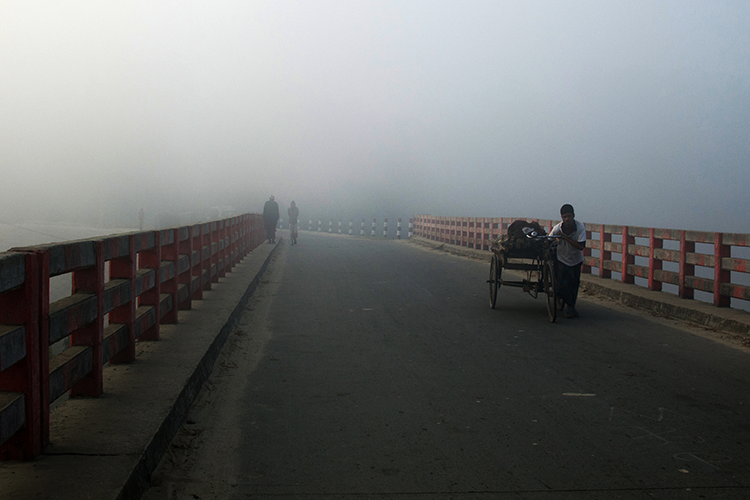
686, 269
125, 267
654, 264
22, 430
627, 258
170, 255
721, 276
151, 259
604, 255
91, 280
585, 268
196, 262
215, 236
206, 250
184, 277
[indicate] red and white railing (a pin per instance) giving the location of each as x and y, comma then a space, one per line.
628, 243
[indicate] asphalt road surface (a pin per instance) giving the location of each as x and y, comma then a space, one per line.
371, 368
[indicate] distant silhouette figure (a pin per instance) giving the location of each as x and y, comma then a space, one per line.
270, 218
293, 213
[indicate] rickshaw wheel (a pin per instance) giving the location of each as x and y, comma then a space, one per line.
496, 270
549, 290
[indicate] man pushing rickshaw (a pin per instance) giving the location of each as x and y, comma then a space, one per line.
552, 263
570, 245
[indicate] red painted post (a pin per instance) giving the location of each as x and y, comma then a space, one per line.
151, 259
243, 230
627, 259
221, 231
585, 268
233, 255
228, 259
604, 255
170, 253
720, 275
206, 235
124, 267
215, 251
251, 233
242, 237
197, 266
654, 264
686, 269
185, 249
43, 325
225, 236
91, 280
21, 306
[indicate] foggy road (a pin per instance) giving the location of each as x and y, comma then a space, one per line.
372, 368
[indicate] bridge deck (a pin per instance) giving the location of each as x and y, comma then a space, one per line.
318, 402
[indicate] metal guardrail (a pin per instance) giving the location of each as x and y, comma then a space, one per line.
124, 287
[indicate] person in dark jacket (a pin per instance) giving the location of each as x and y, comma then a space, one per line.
270, 218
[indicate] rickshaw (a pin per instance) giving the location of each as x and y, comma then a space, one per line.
534, 254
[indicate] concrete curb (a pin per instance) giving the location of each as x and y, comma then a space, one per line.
725, 320
139, 479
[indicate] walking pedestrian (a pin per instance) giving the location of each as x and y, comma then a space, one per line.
293, 213
270, 218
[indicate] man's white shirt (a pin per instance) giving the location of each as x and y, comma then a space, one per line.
565, 251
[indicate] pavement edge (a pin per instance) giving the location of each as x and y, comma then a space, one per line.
139, 479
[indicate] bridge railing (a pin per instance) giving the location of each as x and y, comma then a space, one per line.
612, 248
352, 227
124, 287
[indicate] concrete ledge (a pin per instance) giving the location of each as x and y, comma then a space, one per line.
107, 447
725, 320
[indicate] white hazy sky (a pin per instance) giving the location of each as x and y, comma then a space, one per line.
636, 112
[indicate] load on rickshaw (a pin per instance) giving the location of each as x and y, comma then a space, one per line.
529, 249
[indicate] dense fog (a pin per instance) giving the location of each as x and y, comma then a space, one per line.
635, 112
